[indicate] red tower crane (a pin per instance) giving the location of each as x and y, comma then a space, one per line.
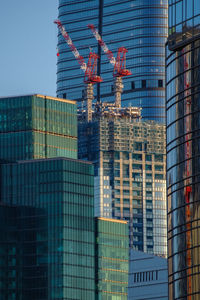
119, 64
90, 69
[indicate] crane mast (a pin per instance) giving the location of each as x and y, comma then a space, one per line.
90, 69
119, 64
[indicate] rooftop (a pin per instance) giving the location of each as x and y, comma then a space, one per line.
41, 96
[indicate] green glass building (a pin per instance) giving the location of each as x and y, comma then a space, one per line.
112, 259
47, 235
37, 126
50, 247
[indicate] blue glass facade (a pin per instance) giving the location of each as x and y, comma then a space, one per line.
141, 27
183, 144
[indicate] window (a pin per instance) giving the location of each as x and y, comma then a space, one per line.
148, 194
138, 146
148, 157
160, 83
143, 83
148, 185
158, 176
116, 155
149, 176
125, 171
145, 276
133, 85
137, 156
137, 166
64, 96
158, 158
148, 167
126, 155
126, 192
158, 168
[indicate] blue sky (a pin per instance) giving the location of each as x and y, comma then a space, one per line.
28, 47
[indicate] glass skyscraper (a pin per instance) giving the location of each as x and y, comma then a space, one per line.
138, 25
47, 244
50, 247
37, 126
183, 145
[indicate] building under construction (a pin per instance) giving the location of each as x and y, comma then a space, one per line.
129, 159
128, 154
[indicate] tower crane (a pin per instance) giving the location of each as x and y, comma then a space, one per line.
119, 64
89, 69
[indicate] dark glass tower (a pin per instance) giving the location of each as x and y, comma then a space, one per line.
141, 27
183, 144
47, 230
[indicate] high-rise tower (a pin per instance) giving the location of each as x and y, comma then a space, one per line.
183, 144
141, 27
51, 247
37, 126
130, 183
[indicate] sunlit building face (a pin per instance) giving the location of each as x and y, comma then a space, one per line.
183, 144
138, 25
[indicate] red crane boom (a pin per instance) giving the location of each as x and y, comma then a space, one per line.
90, 69
67, 38
103, 45
119, 64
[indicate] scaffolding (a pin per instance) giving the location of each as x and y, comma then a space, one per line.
129, 160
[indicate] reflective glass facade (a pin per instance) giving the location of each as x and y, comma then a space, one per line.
138, 25
37, 126
47, 230
184, 22
183, 144
112, 259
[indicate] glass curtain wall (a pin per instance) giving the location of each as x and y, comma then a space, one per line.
47, 210
183, 144
37, 126
141, 27
112, 259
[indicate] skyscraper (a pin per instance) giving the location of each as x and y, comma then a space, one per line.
130, 184
47, 244
50, 247
37, 126
47, 205
141, 27
183, 144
